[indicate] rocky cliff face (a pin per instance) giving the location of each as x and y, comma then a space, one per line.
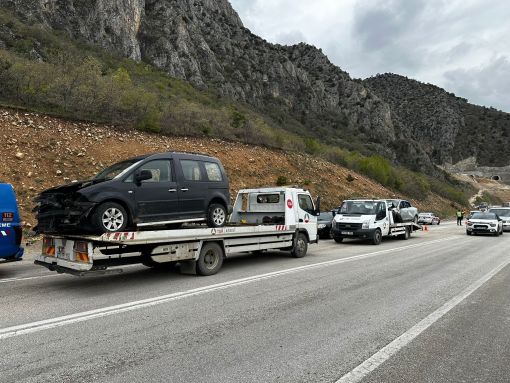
447, 127
204, 42
112, 24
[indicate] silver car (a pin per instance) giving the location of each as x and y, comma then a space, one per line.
484, 223
504, 214
428, 219
408, 212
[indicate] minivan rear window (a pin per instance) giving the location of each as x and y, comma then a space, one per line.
213, 171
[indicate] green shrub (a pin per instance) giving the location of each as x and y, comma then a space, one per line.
312, 146
282, 181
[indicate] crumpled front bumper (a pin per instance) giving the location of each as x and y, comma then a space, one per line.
51, 220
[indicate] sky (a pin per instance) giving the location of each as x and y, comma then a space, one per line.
460, 45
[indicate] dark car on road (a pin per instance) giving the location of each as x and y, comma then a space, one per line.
10, 225
152, 190
324, 224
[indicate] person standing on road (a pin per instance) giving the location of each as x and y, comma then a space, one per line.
459, 217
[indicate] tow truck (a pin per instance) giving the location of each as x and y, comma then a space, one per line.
265, 219
370, 219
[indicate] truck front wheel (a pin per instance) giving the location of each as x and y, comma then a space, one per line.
377, 237
338, 239
210, 260
300, 246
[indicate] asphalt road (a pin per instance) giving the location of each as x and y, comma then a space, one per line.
435, 308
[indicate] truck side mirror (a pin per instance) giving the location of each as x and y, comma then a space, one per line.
143, 175
318, 206
380, 215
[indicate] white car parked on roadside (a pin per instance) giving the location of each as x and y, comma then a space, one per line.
484, 223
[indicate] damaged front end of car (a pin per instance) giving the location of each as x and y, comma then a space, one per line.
59, 211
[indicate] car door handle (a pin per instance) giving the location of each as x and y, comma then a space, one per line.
184, 190
172, 190
300, 220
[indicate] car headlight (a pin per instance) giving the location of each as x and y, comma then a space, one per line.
366, 225
321, 226
493, 225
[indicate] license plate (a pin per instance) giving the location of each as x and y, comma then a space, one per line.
347, 233
61, 253
7, 217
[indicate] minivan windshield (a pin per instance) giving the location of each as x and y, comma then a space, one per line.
114, 170
359, 207
501, 212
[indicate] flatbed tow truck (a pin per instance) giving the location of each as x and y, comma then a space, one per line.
262, 219
370, 219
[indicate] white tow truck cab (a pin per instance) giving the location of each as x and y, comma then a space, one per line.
262, 219
370, 219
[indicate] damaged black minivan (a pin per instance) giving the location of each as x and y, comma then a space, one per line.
166, 189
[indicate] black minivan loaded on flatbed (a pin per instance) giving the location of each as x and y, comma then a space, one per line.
152, 190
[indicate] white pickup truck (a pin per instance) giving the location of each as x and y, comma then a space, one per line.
262, 219
369, 219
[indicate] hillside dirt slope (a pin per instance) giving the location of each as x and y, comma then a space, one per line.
39, 152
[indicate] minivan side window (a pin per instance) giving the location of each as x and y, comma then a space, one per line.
191, 170
305, 203
213, 171
161, 171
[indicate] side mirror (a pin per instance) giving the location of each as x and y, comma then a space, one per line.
318, 206
380, 215
143, 175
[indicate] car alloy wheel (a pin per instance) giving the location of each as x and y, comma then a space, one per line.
113, 219
218, 216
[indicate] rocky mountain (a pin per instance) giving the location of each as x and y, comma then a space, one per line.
447, 127
205, 43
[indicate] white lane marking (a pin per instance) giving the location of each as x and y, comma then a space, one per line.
28, 328
369, 365
8, 280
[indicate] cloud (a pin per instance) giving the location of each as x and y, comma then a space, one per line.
488, 84
443, 42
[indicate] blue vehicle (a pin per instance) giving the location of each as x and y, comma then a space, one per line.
10, 225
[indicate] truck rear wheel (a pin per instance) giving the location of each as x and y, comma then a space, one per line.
300, 246
377, 237
210, 260
406, 235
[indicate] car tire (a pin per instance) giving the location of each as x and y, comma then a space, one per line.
216, 215
110, 217
468, 232
210, 260
376, 237
338, 239
300, 246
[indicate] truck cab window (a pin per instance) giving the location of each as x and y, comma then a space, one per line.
305, 203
